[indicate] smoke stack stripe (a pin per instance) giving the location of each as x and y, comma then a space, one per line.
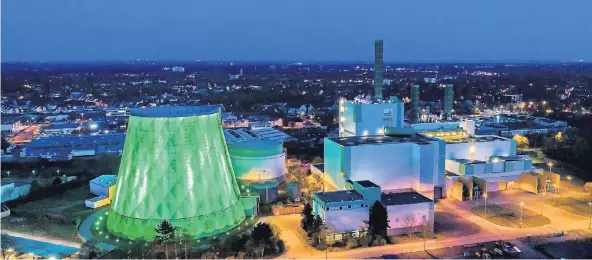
378, 69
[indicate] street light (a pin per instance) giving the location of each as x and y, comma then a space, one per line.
521, 206
569, 179
550, 164
33, 172
543, 203
485, 197
590, 215
555, 194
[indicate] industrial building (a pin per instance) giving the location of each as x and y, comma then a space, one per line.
104, 187
176, 167
345, 211
56, 148
362, 117
393, 162
257, 133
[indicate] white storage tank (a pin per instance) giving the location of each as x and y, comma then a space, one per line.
258, 161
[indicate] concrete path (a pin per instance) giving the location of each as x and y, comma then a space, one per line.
42, 238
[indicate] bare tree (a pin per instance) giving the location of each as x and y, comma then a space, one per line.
426, 231
409, 222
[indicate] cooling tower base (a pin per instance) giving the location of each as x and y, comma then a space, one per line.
196, 227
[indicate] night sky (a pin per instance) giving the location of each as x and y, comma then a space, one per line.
298, 30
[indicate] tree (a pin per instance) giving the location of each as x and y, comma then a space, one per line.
88, 251
5, 144
34, 185
408, 223
378, 221
6, 247
56, 182
521, 141
165, 233
307, 217
318, 231
317, 160
262, 232
426, 231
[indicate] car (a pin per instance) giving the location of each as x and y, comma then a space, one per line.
390, 256
5, 211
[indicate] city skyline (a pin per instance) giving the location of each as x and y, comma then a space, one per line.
454, 31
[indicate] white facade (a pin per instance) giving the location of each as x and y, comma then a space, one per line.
358, 118
391, 165
484, 147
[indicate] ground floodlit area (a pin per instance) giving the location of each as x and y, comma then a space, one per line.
577, 203
510, 215
33, 248
100, 234
55, 216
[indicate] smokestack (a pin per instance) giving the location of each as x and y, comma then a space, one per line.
378, 69
448, 98
414, 103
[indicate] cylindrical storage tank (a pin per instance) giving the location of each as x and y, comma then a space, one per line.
258, 161
268, 191
293, 190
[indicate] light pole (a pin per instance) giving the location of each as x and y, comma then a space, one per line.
550, 164
569, 179
555, 194
521, 206
58, 172
543, 203
590, 215
485, 197
33, 173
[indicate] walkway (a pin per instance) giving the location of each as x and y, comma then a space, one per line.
85, 234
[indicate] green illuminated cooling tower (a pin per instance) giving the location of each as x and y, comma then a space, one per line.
175, 166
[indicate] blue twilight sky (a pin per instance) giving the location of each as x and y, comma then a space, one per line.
301, 30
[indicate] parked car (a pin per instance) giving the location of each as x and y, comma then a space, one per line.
5, 211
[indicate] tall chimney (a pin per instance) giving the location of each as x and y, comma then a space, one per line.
448, 99
378, 69
414, 103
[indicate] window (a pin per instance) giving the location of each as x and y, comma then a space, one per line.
423, 217
340, 207
397, 220
327, 208
362, 205
349, 206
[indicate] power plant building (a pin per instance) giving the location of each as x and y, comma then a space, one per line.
364, 117
175, 167
393, 162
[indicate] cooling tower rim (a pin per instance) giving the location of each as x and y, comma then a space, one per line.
176, 111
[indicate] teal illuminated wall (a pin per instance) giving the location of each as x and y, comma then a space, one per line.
334, 164
175, 167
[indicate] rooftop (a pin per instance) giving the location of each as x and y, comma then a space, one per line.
339, 196
403, 198
320, 166
380, 139
367, 184
478, 139
105, 180
63, 126
178, 111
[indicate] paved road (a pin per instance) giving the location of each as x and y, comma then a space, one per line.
41, 238
560, 220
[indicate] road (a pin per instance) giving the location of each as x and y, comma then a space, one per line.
41, 238
560, 220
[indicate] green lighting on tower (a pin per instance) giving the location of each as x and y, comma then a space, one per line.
175, 167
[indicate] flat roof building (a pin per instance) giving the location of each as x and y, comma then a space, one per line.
345, 211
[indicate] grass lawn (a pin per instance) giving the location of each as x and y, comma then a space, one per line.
508, 215
576, 204
573, 249
55, 216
